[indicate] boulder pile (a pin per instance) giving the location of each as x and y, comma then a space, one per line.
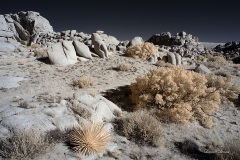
230, 50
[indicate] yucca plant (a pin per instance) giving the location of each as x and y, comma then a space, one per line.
88, 139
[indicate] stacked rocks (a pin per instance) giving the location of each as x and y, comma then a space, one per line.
175, 47
177, 42
231, 50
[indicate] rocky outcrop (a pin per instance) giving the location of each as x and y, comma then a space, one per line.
231, 51
180, 40
100, 47
7, 43
25, 26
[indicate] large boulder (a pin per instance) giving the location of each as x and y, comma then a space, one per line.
82, 49
172, 58
136, 41
70, 52
99, 46
3, 24
56, 54
202, 69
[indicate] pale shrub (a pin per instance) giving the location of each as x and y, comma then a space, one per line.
24, 146
142, 128
229, 92
215, 61
84, 81
143, 51
177, 95
124, 66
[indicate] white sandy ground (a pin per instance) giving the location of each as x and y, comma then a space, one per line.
43, 80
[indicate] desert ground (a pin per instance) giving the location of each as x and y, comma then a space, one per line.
41, 102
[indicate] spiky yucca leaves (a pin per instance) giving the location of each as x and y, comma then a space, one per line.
88, 139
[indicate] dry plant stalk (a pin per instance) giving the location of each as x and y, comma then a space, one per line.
89, 139
143, 51
178, 95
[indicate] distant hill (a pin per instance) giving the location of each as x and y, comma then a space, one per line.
211, 44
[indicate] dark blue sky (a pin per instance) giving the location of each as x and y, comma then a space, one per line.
210, 20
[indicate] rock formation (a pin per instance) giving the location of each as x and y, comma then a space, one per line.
231, 50
99, 46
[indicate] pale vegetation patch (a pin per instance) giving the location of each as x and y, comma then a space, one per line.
177, 95
21, 62
80, 109
24, 146
124, 66
27, 105
229, 92
84, 81
142, 128
162, 63
215, 61
40, 52
88, 139
143, 51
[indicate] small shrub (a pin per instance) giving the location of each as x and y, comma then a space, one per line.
9, 63
21, 62
84, 82
142, 128
236, 66
177, 95
162, 63
222, 73
81, 109
28, 105
123, 66
27, 145
40, 53
215, 61
143, 51
229, 92
233, 148
88, 139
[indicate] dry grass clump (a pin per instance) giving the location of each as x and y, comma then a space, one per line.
222, 73
88, 139
143, 51
27, 145
229, 92
236, 66
123, 66
142, 128
162, 63
21, 62
9, 63
27, 105
215, 61
177, 95
84, 81
233, 148
81, 109
40, 52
